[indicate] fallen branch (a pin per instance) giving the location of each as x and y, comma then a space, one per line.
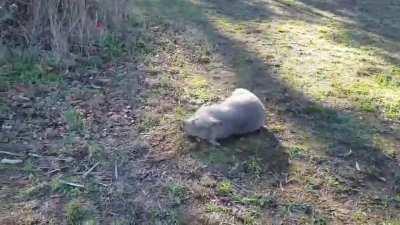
90, 170
11, 161
11, 153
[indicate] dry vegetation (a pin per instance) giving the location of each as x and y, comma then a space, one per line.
92, 94
60, 28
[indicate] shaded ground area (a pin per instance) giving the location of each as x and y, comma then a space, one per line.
103, 145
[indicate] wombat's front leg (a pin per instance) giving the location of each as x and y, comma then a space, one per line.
212, 138
214, 142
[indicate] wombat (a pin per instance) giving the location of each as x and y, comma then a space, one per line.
240, 113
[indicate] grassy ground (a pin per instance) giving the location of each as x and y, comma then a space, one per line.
102, 144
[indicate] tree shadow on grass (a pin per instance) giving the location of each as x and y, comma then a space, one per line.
334, 132
250, 155
366, 23
379, 17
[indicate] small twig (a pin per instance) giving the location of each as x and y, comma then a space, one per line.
382, 179
90, 170
11, 153
357, 166
35, 155
72, 184
103, 184
116, 171
53, 171
69, 159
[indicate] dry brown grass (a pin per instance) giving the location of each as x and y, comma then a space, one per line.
60, 26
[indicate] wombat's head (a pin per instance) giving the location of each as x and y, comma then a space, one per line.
200, 127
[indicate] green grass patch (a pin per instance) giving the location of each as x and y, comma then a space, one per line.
225, 188
177, 193
78, 214
392, 109
360, 217
216, 157
212, 208
58, 186
74, 120
391, 222
254, 167
27, 71
36, 190
197, 88
322, 113
180, 11
97, 152
26, 167
258, 201
366, 105
390, 79
148, 121
298, 208
320, 221
297, 152
3, 106
112, 46
181, 113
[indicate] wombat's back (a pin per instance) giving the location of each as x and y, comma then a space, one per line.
248, 110
240, 113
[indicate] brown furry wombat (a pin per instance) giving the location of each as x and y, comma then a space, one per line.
240, 113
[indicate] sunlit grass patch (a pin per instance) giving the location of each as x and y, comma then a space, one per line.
225, 188
392, 109
213, 208
297, 152
390, 78
321, 63
197, 88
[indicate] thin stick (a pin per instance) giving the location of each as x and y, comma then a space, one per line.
11, 153
90, 170
72, 184
35, 155
53, 171
103, 184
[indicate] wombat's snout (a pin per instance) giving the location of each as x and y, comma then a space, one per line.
184, 125
192, 139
